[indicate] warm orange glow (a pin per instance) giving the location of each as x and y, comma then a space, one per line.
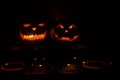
66, 31
32, 37
41, 24
67, 38
34, 28
61, 26
72, 26
63, 38
26, 25
84, 62
68, 64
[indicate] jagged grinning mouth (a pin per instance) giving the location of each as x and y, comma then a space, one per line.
32, 37
68, 38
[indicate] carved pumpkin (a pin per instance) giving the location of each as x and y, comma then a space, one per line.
31, 32
67, 33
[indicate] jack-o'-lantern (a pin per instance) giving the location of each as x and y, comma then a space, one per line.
33, 32
65, 33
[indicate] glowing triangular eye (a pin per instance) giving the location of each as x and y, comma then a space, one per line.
26, 25
72, 26
41, 24
60, 26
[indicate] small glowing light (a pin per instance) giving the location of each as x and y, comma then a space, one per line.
26, 25
66, 31
74, 57
40, 65
70, 27
43, 58
83, 62
41, 24
35, 58
68, 64
6, 64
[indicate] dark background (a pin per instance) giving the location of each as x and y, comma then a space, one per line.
93, 15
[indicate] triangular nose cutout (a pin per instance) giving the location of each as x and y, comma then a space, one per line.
66, 31
34, 28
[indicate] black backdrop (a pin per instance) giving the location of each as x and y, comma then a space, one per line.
93, 15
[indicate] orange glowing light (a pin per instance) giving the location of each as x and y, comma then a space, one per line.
34, 28
41, 24
67, 38
26, 25
68, 64
72, 26
84, 62
66, 31
32, 37
54, 35
61, 26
